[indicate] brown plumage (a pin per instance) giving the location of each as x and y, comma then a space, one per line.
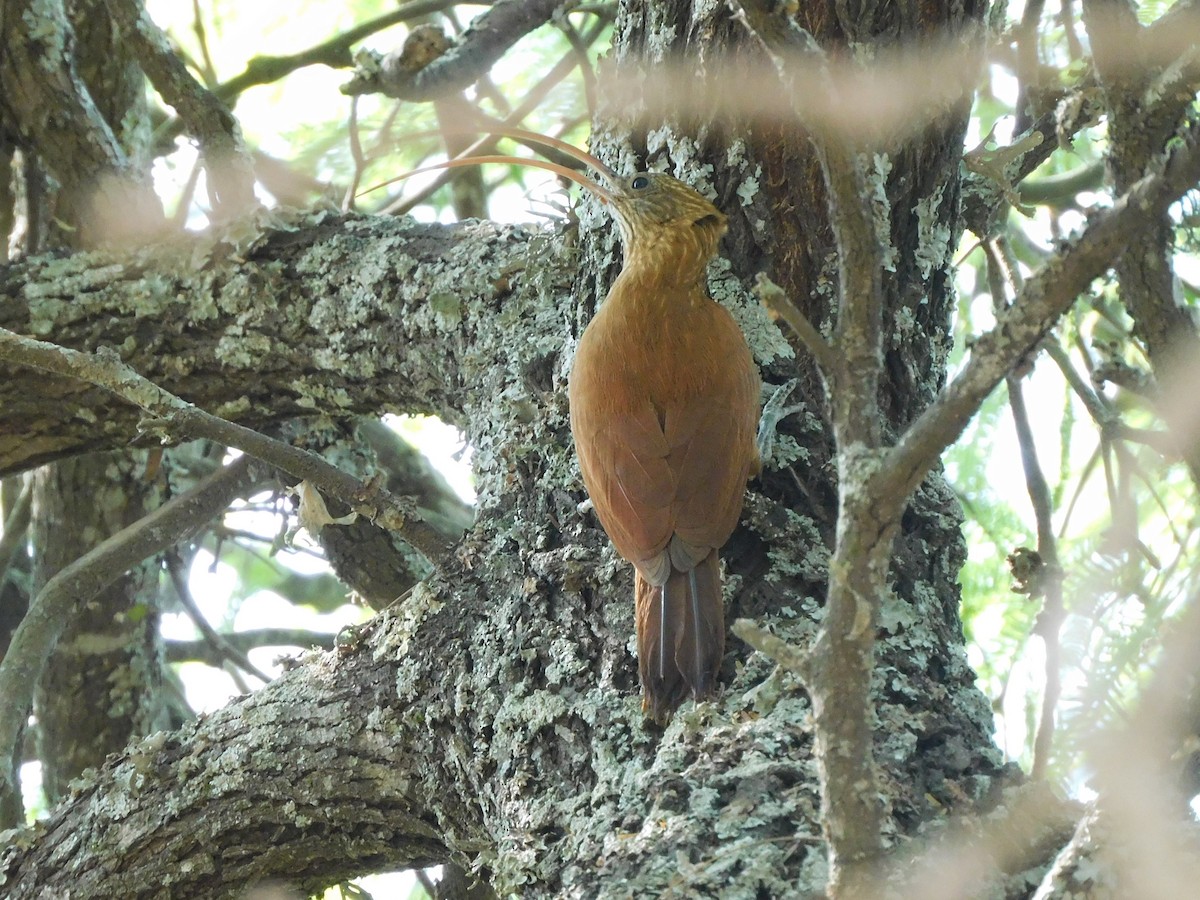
664, 405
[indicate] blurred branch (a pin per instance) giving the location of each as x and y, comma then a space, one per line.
230, 172
1027, 62
8, 196
1049, 578
1140, 837
1039, 303
475, 52
287, 182
1066, 15
207, 69
410, 468
15, 527
220, 648
1149, 76
48, 615
1059, 190
38, 75
354, 139
334, 52
202, 650
1102, 414
177, 417
1018, 835
580, 45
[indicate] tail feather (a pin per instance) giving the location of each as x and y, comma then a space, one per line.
681, 637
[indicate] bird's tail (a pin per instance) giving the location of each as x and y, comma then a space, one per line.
681, 637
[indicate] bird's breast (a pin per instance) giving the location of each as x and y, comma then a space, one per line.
659, 348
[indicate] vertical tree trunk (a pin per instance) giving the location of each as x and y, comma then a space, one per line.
102, 685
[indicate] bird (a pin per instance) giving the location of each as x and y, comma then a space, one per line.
664, 404
663, 395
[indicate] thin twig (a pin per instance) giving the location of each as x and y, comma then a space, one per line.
427, 883
221, 648
206, 63
1050, 579
1027, 62
580, 45
787, 655
1000, 254
356, 154
15, 526
202, 650
777, 300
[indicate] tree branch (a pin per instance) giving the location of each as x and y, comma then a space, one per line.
1145, 108
1045, 296
320, 316
50, 612
307, 781
176, 418
218, 646
478, 48
839, 676
230, 171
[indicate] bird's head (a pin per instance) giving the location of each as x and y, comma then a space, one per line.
657, 214
661, 217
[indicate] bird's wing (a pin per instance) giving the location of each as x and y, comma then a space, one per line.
711, 453
625, 468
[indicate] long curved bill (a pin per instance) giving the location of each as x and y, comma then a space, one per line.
469, 159
533, 137
462, 161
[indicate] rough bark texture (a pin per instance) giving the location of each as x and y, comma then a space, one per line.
492, 717
304, 781
101, 686
333, 316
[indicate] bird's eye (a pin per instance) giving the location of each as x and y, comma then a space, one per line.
639, 182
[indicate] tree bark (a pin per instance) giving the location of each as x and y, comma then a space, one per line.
101, 686
491, 717
321, 316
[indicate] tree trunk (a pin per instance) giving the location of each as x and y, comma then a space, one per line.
492, 717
